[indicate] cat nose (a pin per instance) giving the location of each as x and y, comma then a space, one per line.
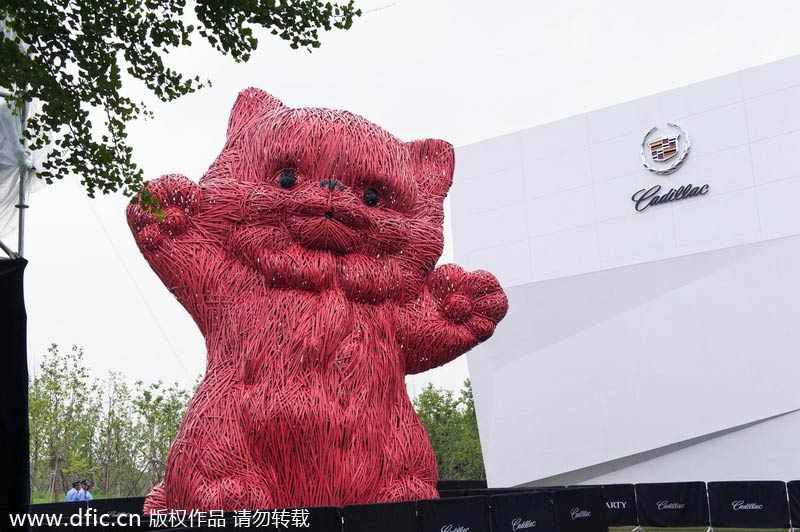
331, 184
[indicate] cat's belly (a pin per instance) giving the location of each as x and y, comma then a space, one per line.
318, 390
309, 431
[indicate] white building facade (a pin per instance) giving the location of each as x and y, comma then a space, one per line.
659, 344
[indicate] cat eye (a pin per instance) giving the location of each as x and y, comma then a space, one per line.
288, 179
371, 197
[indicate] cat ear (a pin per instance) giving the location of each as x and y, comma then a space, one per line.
250, 103
432, 161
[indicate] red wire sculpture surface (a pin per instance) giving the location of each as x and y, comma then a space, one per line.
306, 257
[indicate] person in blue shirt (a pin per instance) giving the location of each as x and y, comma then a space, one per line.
85, 493
72, 495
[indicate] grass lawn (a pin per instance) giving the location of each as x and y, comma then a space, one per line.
704, 529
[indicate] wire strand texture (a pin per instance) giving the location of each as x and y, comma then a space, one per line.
306, 255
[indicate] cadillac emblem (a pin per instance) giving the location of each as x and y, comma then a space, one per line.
665, 148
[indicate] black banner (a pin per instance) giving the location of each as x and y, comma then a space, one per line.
522, 512
15, 491
461, 514
113, 511
446, 494
497, 491
759, 504
460, 485
128, 505
70, 513
389, 517
323, 519
793, 488
672, 504
580, 510
620, 504
503, 491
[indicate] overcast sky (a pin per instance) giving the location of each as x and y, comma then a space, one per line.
463, 70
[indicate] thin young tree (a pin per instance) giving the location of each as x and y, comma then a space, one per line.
64, 407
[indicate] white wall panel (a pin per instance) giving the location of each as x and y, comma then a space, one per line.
552, 162
766, 450
560, 211
771, 77
613, 196
492, 228
701, 97
724, 170
492, 191
509, 262
488, 156
593, 368
717, 129
776, 158
638, 237
736, 222
556, 173
551, 139
623, 119
774, 114
778, 207
564, 253
640, 343
614, 157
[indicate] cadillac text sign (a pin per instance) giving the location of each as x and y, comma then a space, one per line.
664, 149
647, 197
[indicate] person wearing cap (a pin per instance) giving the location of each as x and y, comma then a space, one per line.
72, 495
85, 493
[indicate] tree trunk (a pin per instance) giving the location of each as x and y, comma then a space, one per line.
53, 475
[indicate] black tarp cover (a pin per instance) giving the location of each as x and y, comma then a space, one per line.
580, 510
458, 514
672, 504
388, 517
319, 519
522, 512
620, 504
113, 509
446, 494
324, 519
756, 504
15, 487
64, 509
460, 485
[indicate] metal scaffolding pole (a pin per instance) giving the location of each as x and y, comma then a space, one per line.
23, 175
7, 250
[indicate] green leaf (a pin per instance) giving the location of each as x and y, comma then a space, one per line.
70, 56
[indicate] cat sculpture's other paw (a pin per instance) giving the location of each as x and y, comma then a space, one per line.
474, 300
